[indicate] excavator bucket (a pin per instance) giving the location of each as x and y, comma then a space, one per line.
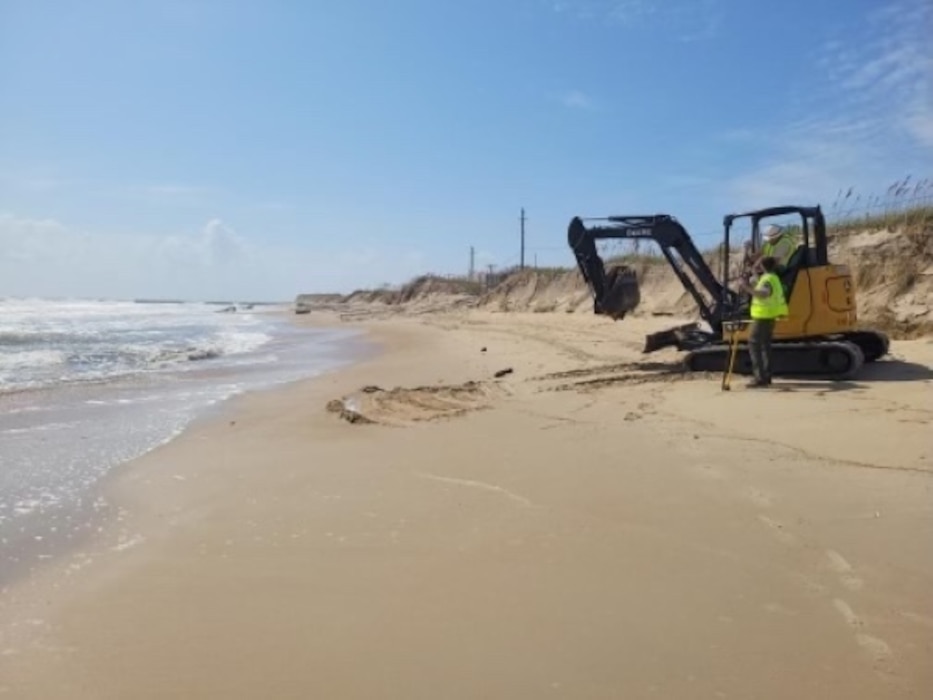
622, 292
673, 337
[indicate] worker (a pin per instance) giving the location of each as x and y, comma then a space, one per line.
768, 305
779, 244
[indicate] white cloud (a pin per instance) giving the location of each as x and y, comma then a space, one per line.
44, 180
921, 126
575, 99
629, 11
222, 245
32, 181
615, 11
215, 245
30, 240
683, 20
44, 257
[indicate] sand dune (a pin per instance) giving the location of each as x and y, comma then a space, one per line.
893, 271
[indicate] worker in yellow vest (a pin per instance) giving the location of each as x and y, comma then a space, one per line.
779, 244
768, 305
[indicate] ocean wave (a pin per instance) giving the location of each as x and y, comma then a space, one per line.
240, 342
39, 428
52, 343
22, 338
10, 361
36, 369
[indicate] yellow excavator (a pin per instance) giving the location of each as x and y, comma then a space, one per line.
820, 338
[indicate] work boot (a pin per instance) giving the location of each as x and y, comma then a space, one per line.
758, 384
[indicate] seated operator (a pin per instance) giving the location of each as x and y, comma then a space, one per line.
779, 244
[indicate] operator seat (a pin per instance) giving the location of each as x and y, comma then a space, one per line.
800, 258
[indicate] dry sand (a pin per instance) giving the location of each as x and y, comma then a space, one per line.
588, 526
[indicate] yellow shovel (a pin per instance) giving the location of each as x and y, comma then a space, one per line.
734, 341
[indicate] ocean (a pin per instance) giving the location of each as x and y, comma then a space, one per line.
86, 386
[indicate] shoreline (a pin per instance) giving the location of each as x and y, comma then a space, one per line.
634, 526
99, 512
108, 536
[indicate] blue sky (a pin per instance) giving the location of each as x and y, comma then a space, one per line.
224, 148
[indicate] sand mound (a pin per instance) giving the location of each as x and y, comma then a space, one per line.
893, 271
893, 276
402, 406
563, 290
422, 289
539, 291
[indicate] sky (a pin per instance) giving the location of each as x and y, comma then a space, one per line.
256, 149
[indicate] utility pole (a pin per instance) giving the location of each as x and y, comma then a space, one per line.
472, 263
523, 239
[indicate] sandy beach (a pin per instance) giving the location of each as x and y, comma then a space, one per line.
592, 524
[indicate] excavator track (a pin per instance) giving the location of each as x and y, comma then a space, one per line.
873, 344
829, 359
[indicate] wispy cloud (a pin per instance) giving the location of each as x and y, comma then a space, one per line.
165, 193
921, 126
31, 180
575, 99
272, 206
706, 25
889, 76
616, 11
866, 119
683, 20
175, 190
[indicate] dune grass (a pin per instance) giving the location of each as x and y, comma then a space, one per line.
906, 206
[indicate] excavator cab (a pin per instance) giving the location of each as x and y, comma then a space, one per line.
820, 294
805, 226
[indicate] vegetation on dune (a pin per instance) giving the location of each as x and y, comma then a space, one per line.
906, 207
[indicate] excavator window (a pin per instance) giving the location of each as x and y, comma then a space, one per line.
798, 260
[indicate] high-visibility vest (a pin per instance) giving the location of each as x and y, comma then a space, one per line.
772, 306
785, 244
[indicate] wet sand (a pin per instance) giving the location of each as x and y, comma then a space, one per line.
590, 525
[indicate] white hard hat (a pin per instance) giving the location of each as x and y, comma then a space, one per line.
773, 231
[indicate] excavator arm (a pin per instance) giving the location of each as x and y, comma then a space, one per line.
676, 246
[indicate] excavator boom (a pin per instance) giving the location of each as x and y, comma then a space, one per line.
712, 298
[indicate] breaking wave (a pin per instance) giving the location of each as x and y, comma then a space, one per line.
46, 343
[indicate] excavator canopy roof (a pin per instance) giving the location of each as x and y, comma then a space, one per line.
774, 211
